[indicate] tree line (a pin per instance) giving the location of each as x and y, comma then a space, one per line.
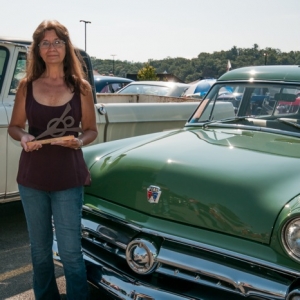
205, 65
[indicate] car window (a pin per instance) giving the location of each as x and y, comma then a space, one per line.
19, 73
156, 90
3, 62
113, 87
252, 100
146, 89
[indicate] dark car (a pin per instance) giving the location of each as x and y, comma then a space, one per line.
110, 84
158, 88
209, 211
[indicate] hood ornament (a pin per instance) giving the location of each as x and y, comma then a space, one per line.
153, 194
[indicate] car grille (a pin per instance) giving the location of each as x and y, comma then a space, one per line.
105, 238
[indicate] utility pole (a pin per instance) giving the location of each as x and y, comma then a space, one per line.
266, 57
85, 22
113, 55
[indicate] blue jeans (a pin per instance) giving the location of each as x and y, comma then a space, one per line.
65, 206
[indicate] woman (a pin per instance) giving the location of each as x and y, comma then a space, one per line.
56, 101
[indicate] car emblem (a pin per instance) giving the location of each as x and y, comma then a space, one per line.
141, 255
153, 194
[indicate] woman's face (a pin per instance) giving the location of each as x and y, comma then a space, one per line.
52, 49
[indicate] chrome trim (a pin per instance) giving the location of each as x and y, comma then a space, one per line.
190, 262
119, 285
287, 248
294, 295
4, 198
106, 278
141, 256
227, 278
199, 245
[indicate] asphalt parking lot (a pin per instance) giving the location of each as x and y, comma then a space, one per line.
15, 261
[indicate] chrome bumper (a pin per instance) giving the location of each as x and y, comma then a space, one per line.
123, 287
218, 277
118, 285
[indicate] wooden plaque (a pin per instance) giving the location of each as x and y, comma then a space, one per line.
48, 141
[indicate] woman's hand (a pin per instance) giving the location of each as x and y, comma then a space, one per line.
32, 146
75, 143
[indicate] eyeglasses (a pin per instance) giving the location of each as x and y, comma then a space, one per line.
56, 44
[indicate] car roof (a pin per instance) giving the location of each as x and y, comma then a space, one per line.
26, 42
290, 73
173, 89
19, 40
16, 40
111, 78
160, 83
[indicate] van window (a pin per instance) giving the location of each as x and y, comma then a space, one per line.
3, 62
19, 73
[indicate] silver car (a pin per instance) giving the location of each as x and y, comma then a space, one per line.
159, 88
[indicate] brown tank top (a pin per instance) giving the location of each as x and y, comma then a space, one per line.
52, 168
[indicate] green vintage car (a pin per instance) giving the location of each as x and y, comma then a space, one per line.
209, 211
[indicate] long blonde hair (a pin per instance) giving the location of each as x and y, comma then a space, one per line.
73, 62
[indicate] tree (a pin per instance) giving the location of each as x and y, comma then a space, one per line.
205, 65
147, 73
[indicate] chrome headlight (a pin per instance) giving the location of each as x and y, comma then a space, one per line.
291, 238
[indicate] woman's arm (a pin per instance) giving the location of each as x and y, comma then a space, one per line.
16, 128
88, 119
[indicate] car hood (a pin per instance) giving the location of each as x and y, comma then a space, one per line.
231, 181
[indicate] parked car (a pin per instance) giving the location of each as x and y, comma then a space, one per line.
287, 107
110, 84
159, 88
199, 89
209, 211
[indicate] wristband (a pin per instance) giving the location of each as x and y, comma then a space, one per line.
80, 143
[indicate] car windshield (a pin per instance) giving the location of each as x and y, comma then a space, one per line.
255, 104
146, 89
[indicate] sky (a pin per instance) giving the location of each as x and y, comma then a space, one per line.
143, 30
